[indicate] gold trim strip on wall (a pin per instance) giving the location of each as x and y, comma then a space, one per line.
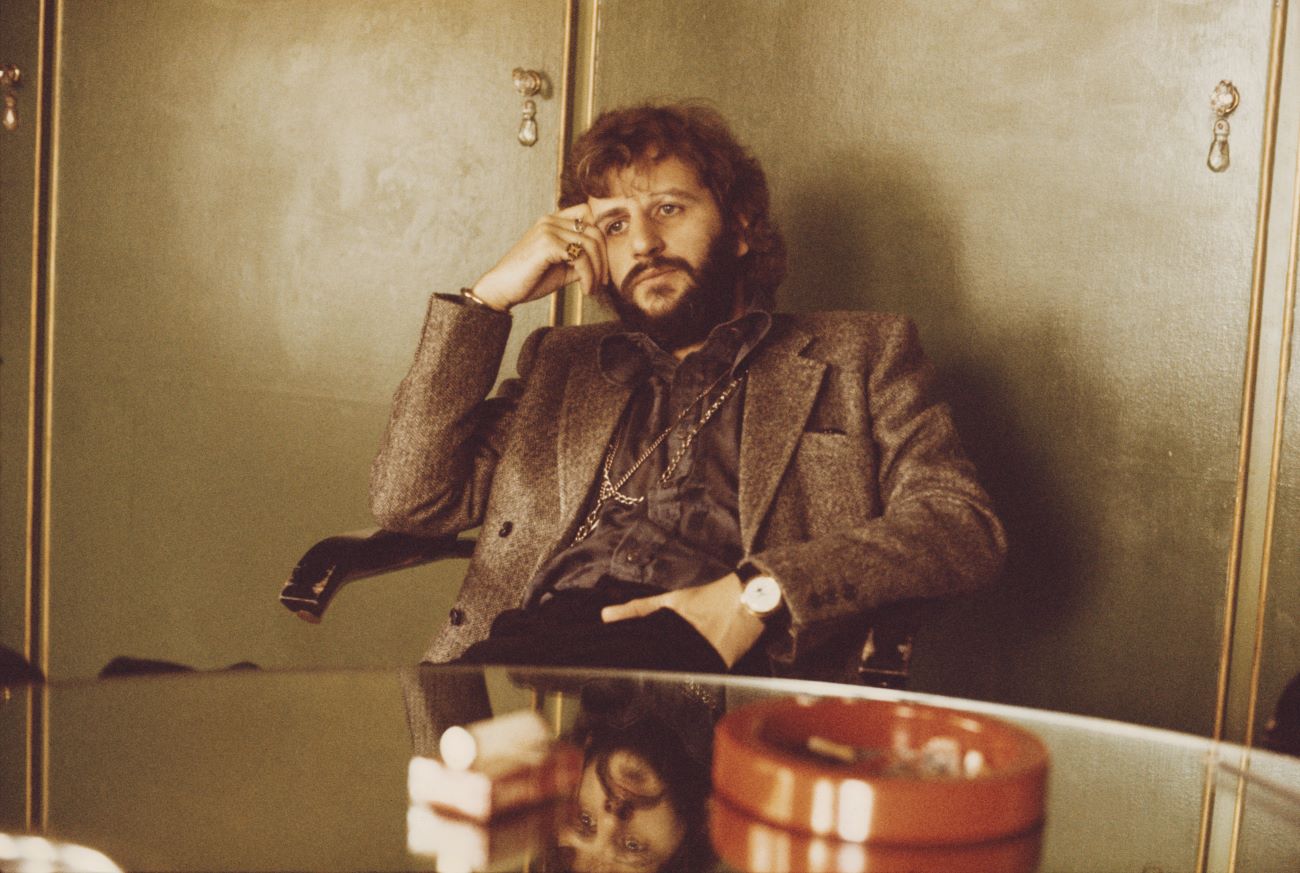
1270, 513
35, 348
586, 32
51, 297
55, 51
53, 48
36, 596
576, 109
566, 126
571, 16
1268, 147
1246, 433
589, 99
566, 305
1279, 433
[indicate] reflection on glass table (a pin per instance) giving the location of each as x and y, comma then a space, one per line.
309, 771
639, 792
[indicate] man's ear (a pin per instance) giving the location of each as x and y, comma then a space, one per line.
742, 235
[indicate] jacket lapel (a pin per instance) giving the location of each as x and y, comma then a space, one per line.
781, 389
591, 410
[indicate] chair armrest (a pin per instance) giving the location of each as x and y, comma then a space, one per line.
335, 561
887, 650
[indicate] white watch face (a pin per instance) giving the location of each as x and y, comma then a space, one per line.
762, 595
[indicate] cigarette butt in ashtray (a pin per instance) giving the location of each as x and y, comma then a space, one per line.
514, 736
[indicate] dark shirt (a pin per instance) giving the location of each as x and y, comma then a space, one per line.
687, 530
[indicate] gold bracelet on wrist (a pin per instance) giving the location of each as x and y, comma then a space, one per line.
468, 294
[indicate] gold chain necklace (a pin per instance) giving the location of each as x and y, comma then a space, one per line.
610, 490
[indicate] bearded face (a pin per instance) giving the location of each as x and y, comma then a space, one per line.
673, 256
678, 319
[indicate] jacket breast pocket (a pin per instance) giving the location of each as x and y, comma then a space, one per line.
835, 474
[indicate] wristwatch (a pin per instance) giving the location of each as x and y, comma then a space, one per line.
761, 594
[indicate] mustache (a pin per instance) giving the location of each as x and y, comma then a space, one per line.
642, 267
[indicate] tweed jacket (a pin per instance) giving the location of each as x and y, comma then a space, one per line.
854, 491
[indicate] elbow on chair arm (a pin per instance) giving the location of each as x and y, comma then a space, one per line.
337, 560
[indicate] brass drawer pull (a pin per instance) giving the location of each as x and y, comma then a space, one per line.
529, 84
1224, 102
10, 78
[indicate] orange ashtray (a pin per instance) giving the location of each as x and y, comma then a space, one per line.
869, 771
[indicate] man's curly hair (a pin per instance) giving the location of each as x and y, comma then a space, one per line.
699, 136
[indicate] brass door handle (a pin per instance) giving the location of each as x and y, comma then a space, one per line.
10, 78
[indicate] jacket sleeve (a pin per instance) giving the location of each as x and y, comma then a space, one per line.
434, 469
936, 534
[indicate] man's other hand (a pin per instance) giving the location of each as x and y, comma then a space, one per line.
558, 248
714, 610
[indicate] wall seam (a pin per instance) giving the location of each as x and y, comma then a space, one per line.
1246, 432
1275, 460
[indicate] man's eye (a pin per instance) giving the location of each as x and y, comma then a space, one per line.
586, 822
669, 209
615, 227
634, 846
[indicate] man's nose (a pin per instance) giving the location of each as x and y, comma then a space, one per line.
645, 238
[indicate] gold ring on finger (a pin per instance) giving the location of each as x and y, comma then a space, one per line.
579, 225
571, 252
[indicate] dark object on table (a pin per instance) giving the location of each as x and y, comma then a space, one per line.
16, 670
1282, 733
123, 665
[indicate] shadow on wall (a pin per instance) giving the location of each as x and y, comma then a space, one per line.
871, 234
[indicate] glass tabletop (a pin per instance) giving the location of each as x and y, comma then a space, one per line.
313, 771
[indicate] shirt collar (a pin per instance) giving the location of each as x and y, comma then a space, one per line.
627, 358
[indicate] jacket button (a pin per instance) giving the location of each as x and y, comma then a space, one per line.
456, 617
506, 529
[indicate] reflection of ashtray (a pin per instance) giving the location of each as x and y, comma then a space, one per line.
868, 771
749, 844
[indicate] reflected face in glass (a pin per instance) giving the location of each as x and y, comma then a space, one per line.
622, 818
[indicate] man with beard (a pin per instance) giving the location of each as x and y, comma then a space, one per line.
700, 485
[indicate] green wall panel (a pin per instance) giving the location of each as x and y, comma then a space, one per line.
19, 45
1028, 181
254, 202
